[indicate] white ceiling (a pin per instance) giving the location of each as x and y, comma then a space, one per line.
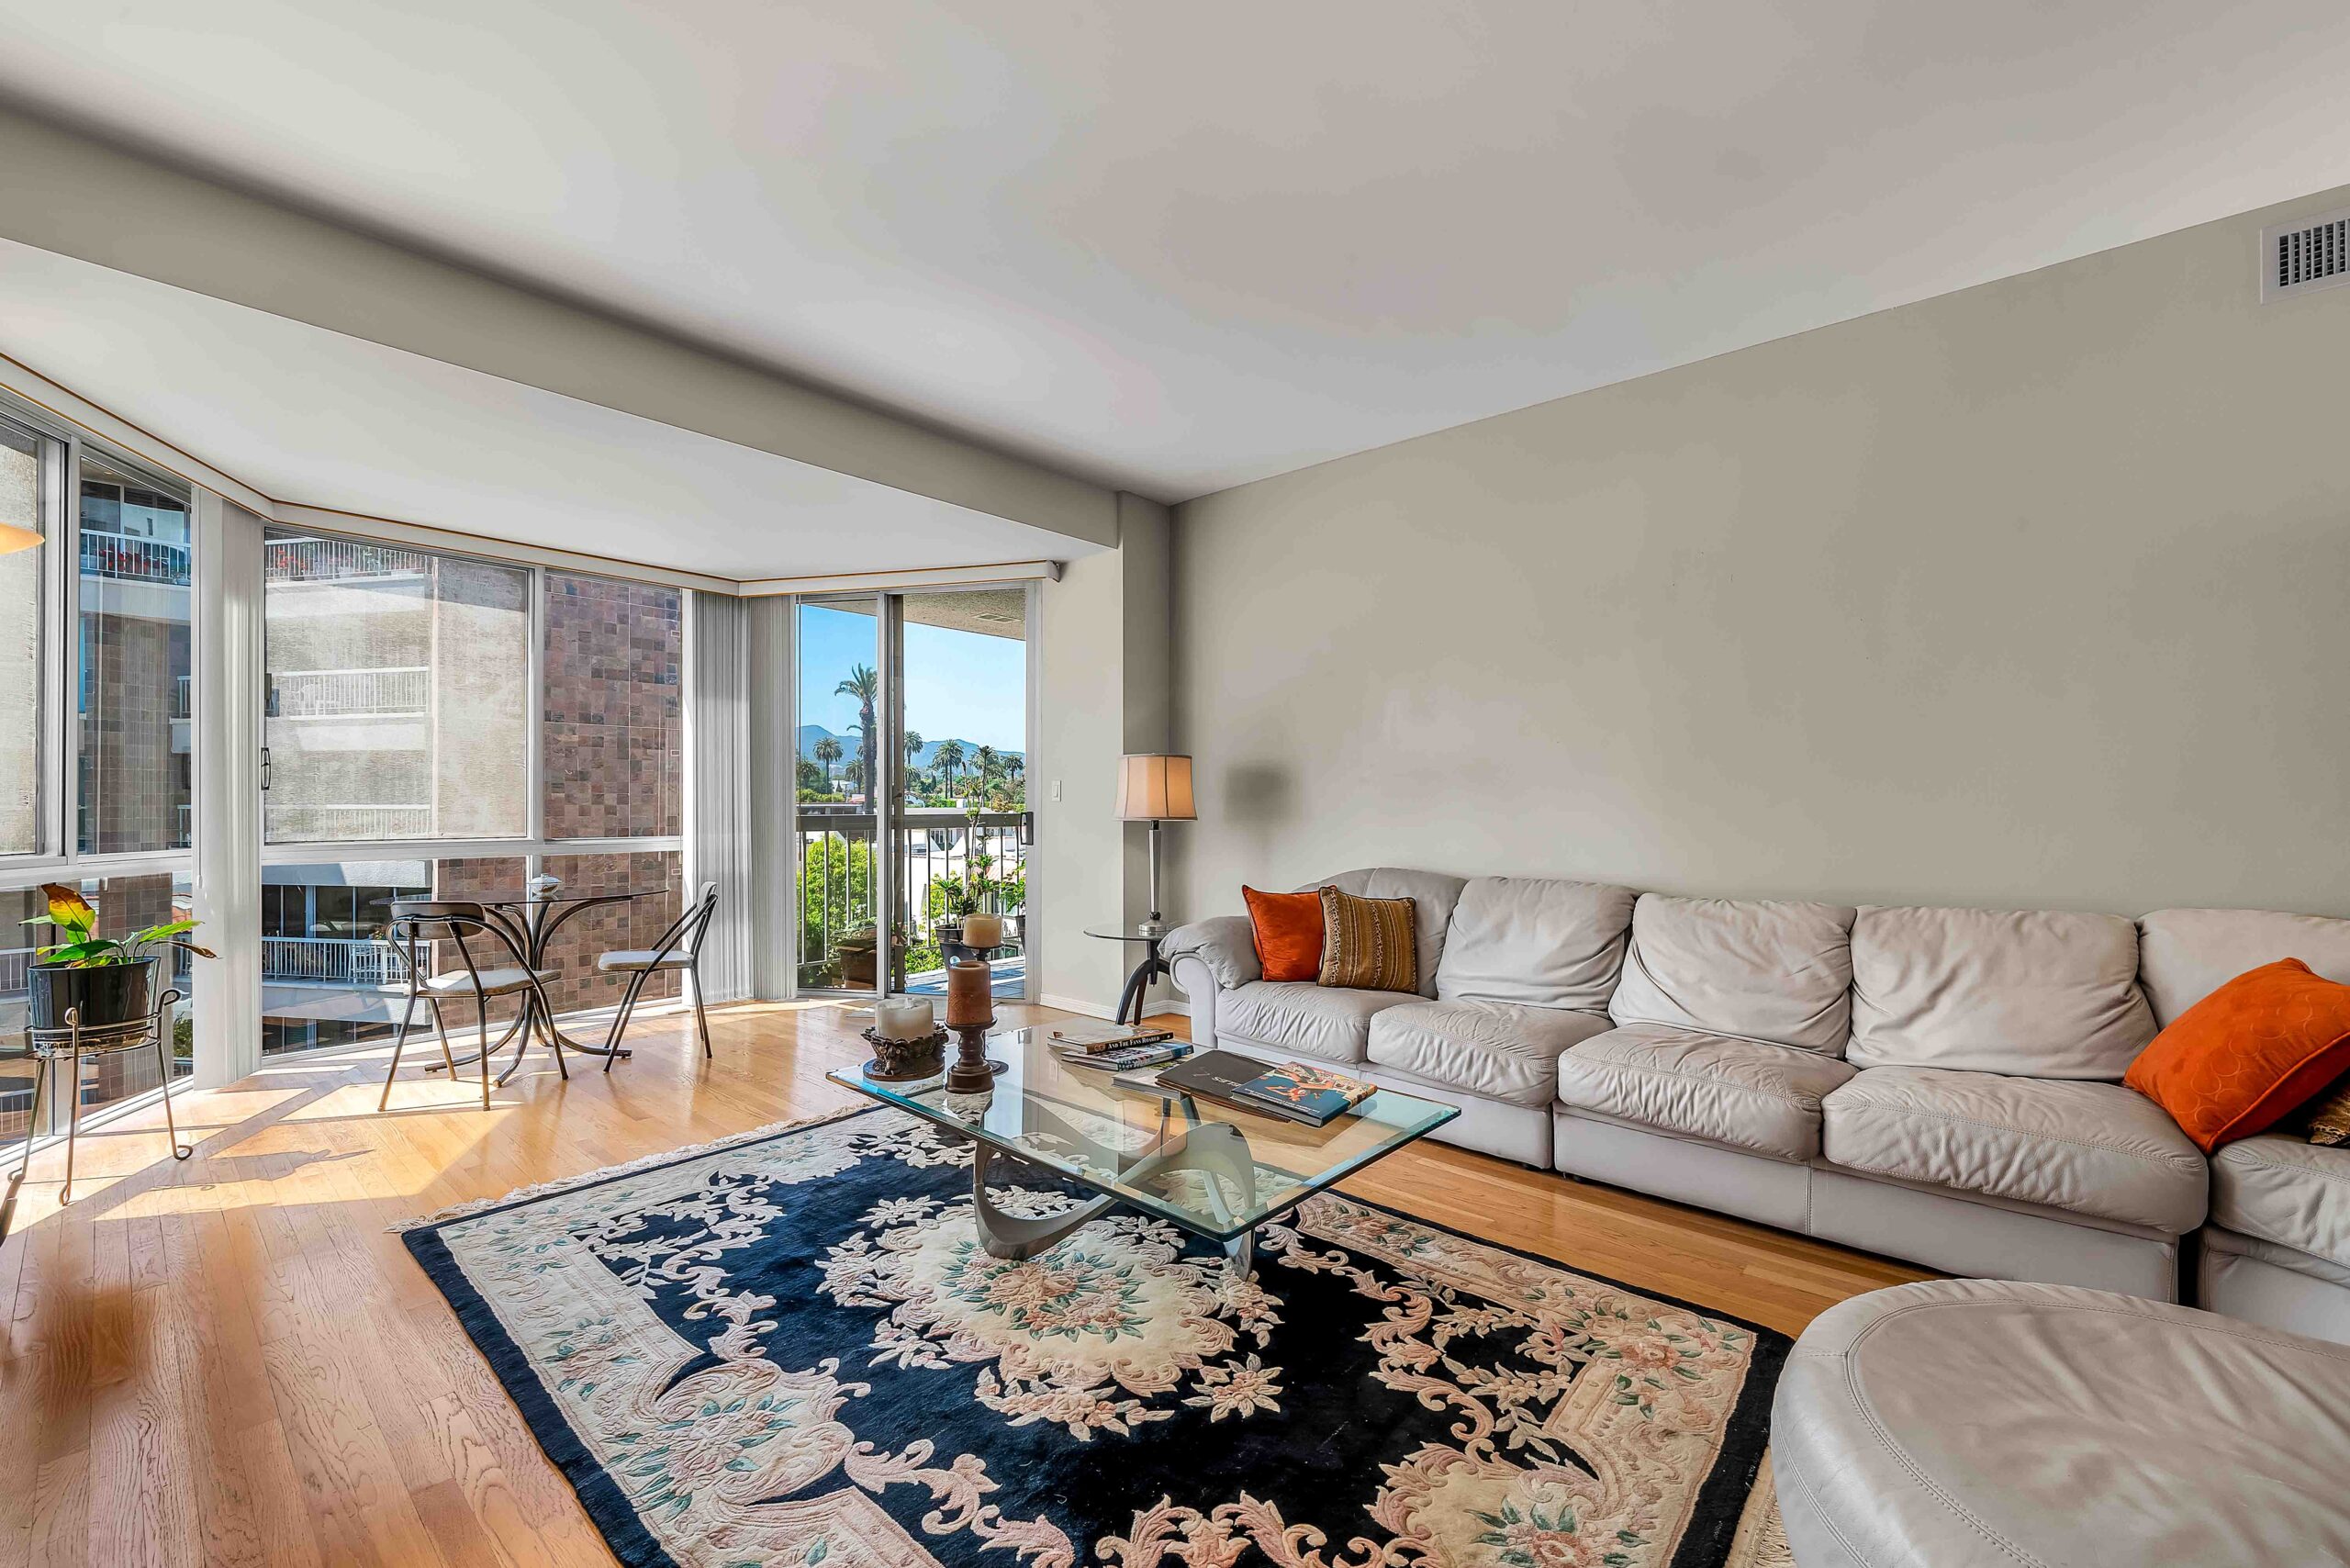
306, 415
1180, 246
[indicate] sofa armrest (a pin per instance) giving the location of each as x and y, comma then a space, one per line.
1226, 944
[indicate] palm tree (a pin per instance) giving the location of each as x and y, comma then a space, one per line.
866, 686
987, 762
827, 751
913, 748
948, 760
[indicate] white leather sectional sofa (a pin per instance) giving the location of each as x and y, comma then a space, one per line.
1942, 1085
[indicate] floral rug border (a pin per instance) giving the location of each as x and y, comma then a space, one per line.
1719, 1523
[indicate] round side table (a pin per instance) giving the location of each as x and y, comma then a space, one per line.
1150, 968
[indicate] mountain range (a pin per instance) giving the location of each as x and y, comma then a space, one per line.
928, 756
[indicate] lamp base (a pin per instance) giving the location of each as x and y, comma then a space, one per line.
972, 1072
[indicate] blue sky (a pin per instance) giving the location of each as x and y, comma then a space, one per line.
958, 684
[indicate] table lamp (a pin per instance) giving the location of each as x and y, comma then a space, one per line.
1155, 787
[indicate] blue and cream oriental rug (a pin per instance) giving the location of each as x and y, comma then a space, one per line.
789, 1349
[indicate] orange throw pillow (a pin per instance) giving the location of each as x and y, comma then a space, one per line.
2248, 1055
1289, 933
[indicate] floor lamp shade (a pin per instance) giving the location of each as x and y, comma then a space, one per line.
1155, 787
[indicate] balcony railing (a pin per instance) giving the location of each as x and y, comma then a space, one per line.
358, 823
16, 968
133, 558
185, 837
183, 697
838, 890
338, 560
400, 691
332, 960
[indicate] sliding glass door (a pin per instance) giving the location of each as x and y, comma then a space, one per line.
912, 787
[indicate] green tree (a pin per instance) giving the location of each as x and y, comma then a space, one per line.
948, 760
827, 751
986, 760
812, 778
865, 686
836, 888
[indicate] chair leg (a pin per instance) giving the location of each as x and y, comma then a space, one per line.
399, 1042
481, 1007
701, 1019
619, 1019
441, 1028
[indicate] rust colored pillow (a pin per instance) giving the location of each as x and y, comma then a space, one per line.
2249, 1055
1288, 928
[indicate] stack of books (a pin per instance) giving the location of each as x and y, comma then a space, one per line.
1293, 1091
1114, 1047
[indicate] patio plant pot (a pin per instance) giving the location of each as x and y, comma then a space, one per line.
109, 994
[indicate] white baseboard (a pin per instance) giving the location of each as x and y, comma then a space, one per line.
1099, 1010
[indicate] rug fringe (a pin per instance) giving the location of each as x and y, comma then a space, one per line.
643, 1162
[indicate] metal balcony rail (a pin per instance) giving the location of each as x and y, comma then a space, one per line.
332, 960
359, 823
837, 889
131, 557
185, 837
183, 697
15, 971
338, 560
395, 692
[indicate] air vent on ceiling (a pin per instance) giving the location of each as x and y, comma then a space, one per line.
2304, 256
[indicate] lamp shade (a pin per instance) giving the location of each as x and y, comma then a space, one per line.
1155, 787
13, 539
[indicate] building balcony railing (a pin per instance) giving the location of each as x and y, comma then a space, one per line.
15, 969
332, 960
183, 697
185, 837
130, 557
400, 691
338, 560
362, 824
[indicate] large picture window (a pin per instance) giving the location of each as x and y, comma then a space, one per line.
21, 604
134, 660
399, 686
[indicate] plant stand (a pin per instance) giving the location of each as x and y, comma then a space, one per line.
72, 1044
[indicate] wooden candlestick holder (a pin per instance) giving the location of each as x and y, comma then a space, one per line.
972, 1072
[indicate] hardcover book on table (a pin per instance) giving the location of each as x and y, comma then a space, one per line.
1314, 1094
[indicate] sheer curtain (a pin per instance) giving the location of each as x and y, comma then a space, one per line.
718, 786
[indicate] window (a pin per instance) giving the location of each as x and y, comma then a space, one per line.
21, 678
613, 727
125, 905
399, 685
134, 652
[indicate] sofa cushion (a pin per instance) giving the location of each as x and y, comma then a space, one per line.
1368, 944
2278, 1188
1492, 1049
2253, 1052
2041, 993
1433, 894
1321, 1020
1740, 1093
2096, 1149
1751, 968
2185, 955
1542, 941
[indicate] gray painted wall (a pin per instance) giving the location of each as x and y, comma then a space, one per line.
2029, 594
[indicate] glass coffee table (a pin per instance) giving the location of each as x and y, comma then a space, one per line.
1212, 1171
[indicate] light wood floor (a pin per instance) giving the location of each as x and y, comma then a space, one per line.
228, 1360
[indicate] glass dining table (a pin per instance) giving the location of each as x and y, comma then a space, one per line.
531, 920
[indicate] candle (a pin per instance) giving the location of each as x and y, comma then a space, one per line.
983, 931
904, 1018
968, 1002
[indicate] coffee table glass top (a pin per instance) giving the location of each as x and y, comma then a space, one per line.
1139, 1144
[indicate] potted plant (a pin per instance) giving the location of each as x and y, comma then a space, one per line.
101, 979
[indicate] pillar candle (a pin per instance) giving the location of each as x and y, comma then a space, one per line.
968, 1000
904, 1018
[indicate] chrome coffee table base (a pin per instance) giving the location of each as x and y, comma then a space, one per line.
1215, 1149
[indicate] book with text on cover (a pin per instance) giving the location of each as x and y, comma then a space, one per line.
1072, 1034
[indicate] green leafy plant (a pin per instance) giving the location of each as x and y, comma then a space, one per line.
71, 917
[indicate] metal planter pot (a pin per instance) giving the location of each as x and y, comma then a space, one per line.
108, 995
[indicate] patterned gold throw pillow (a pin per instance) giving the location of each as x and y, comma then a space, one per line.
2329, 1118
1366, 943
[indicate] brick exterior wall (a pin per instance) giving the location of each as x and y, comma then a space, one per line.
614, 714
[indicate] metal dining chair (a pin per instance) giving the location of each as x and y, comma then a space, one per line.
422, 921
678, 951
